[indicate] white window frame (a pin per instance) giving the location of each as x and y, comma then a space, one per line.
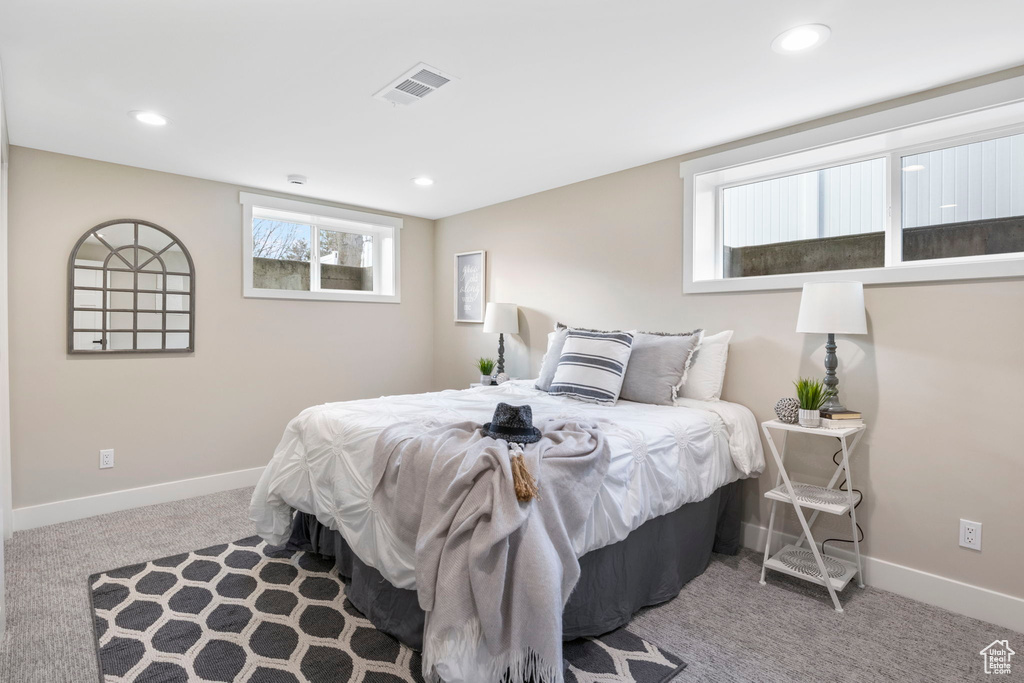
985, 112
320, 216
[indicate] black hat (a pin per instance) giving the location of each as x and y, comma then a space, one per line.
512, 423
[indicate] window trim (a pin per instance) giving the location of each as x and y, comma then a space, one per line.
987, 111
366, 223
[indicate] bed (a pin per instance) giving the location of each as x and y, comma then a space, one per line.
669, 499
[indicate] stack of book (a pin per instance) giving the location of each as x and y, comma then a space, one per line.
841, 419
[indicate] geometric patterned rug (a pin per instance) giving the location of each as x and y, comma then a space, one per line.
254, 613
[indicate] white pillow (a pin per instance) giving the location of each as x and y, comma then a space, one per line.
704, 380
548, 365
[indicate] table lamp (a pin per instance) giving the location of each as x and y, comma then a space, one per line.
832, 308
501, 318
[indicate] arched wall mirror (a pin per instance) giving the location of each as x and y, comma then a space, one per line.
131, 289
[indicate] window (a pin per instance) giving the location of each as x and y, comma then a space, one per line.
280, 254
943, 199
300, 250
829, 219
964, 201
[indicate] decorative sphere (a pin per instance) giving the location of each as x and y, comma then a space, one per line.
787, 410
501, 378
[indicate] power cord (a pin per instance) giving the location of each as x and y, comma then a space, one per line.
860, 532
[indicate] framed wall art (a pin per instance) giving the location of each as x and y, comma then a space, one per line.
470, 282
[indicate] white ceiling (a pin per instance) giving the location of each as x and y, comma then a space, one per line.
550, 93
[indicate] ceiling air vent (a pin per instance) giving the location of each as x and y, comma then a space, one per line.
414, 85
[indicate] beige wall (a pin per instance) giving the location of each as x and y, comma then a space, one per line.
257, 362
938, 377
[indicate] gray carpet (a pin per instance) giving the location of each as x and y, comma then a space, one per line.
49, 633
724, 624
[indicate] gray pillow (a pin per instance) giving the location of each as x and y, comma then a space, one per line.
656, 367
550, 362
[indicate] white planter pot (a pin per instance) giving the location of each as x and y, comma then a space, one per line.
485, 380
810, 418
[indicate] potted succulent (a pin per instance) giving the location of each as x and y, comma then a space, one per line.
811, 394
486, 366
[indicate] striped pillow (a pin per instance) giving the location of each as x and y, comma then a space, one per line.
592, 365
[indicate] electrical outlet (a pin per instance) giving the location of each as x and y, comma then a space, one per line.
106, 458
970, 534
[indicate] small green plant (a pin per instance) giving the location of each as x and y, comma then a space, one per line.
486, 366
812, 394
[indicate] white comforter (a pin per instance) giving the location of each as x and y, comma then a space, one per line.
662, 457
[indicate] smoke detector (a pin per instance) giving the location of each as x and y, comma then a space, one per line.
296, 179
414, 85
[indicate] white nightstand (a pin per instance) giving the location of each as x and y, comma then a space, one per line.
795, 560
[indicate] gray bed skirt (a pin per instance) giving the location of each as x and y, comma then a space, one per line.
648, 567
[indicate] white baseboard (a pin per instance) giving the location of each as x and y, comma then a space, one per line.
956, 596
89, 506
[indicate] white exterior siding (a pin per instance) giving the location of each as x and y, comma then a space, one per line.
976, 181
842, 200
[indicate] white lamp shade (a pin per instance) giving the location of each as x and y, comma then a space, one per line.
832, 307
502, 318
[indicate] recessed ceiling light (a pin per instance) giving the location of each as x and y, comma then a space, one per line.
801, 38
423, 181
913, 168
150, 118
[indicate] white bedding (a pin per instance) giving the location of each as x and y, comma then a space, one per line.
662, 457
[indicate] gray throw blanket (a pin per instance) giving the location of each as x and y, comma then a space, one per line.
492, 574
